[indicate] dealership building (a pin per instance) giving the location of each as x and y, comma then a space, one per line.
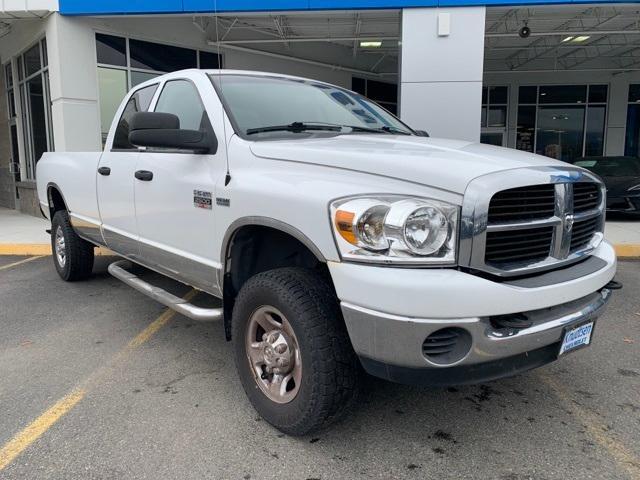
560, 79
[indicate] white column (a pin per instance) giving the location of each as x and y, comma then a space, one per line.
617, 115
71, 49
441, 70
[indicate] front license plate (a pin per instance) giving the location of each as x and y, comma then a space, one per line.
577, 337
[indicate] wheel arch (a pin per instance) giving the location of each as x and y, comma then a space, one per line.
262, 243
55, 199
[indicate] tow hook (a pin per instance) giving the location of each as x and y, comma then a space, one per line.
613, 285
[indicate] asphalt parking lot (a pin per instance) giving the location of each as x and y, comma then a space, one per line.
97, 381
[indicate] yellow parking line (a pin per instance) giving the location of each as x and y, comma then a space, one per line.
39, 426
36, 429
597, 430
627, 251
15, 264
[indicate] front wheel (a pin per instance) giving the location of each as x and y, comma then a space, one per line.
72, 256
292, 350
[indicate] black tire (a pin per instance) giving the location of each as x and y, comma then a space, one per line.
330, 368
79, 255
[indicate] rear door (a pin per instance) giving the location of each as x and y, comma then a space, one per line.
115, 178
175, 208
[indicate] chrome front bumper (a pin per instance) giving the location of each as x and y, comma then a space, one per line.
388, 341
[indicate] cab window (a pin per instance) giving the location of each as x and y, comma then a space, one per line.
139, 102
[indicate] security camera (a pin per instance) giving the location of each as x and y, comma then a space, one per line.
524, 32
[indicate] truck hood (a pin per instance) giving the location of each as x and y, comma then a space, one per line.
444, 164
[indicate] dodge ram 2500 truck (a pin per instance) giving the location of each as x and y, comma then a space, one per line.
337, 238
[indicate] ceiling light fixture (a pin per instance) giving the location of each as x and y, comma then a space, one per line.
371, 44
581, 38
567, 39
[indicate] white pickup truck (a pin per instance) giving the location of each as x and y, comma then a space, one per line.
336, 237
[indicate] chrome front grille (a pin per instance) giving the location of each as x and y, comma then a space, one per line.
524, 220
507, 246
524, 203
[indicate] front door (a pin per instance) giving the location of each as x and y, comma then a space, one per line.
115, 180
175, 197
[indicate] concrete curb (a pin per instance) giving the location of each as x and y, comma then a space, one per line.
623, 251
37, 249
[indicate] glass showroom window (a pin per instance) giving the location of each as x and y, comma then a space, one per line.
632, 137
14, 160
124, 63
493, 120
562, 121
35, 103
383, 93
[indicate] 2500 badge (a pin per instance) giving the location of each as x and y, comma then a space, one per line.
202, 199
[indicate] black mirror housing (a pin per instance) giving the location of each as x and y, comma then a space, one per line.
162, 130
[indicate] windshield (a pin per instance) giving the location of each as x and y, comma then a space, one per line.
611, 166
263, 106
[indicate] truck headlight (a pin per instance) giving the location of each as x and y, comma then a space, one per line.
395, 229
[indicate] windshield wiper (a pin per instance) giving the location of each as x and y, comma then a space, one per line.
295, 127
385, 129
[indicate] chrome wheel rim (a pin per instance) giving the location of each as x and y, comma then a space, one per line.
273, 354
60, 247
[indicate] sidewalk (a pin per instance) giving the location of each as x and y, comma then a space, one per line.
25, 235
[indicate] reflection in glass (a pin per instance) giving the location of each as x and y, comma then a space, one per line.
560, 132
138, 77
32, 60
497, 116
632, 140
112, 84
525, 131
594, 145
111, 50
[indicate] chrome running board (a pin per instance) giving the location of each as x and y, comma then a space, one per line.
180, 305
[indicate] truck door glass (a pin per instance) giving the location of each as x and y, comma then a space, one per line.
181, 98
139, 102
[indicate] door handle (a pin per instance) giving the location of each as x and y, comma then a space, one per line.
144, 175
106, 171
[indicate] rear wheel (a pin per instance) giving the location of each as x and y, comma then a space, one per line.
292, 350
72, 256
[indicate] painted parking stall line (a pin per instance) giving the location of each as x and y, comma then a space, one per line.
32, 432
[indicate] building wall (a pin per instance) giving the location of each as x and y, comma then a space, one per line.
441, 70
616, 106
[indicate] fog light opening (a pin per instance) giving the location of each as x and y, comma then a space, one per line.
447, 345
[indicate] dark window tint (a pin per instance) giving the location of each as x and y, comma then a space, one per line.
594, 139
632, 140
111, 50
181, 98
14, 151
498, 95
382, 92
35, 92
526, 128
32, 60
359, 85
598, 93
11, 98
527, 94
485, 97
612, 166
139, 102
209, 60
20, 70
634, 93
163, 58
563, 94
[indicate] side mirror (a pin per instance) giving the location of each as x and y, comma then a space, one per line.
162, 130
422, 133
